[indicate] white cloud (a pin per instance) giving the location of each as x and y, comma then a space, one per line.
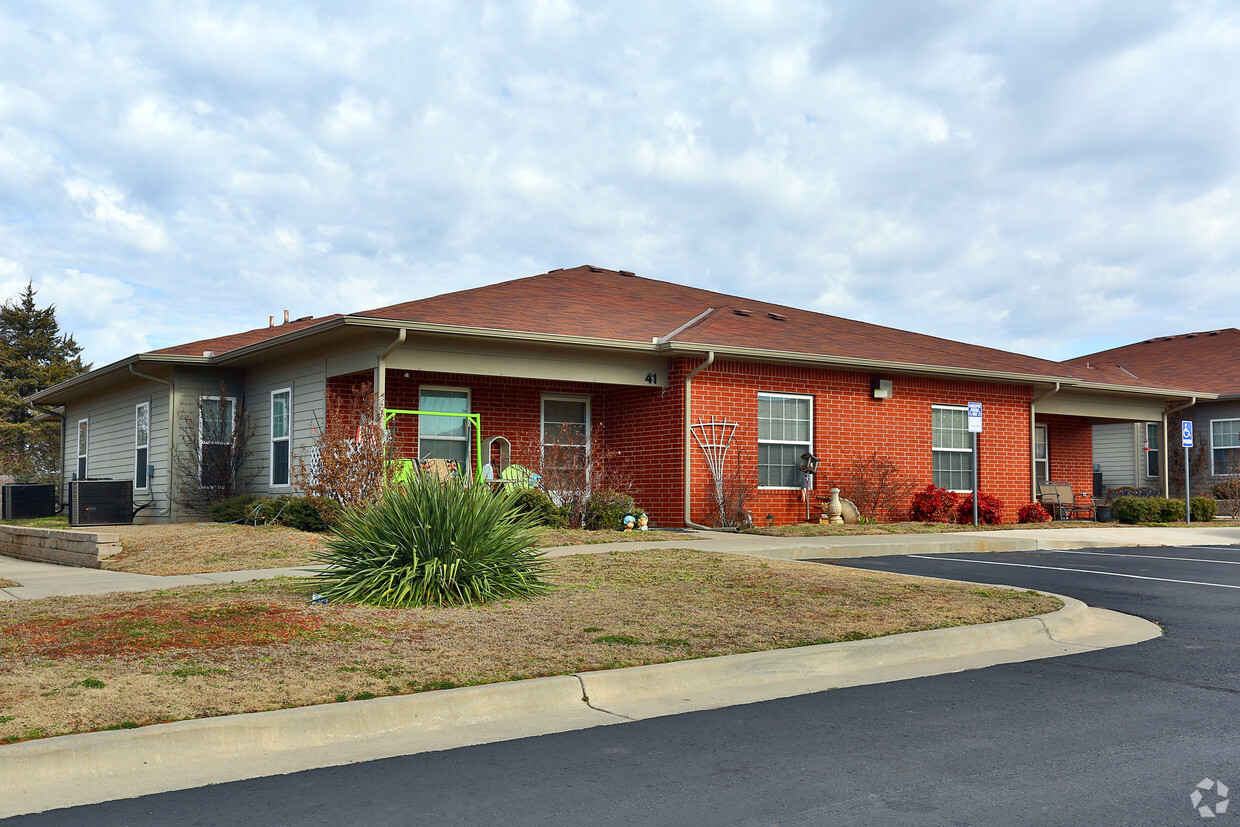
947, 168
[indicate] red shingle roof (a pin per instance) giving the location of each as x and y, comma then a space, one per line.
1206, 361
605, 304
223, 344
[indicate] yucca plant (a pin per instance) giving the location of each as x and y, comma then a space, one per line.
427, 542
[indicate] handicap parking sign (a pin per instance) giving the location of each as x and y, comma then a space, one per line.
1186, 433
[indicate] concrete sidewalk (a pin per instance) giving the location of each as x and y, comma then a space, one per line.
46, 580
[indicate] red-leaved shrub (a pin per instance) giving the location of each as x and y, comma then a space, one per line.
934, 505
1032, 513
989, 510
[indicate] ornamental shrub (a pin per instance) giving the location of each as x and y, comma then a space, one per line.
935, 505
432, 543
539, 506
1033, 513
989, 509
239, 509
1161, 509
606, 510
310, 513
1135, 509
1203, 508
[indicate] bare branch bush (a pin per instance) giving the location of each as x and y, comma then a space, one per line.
214, 449
574, 469
347, 460
731, 499
1198, 459
876, 484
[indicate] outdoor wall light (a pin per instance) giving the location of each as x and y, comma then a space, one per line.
881, 388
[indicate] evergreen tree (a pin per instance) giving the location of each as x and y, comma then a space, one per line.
34, 355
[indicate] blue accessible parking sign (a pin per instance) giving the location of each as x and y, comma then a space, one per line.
1186, 433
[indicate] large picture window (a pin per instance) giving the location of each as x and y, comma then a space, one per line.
785, 431
217, 419
1225, 446
952, 448
281, 435
1151, 448
142, 444
444, 437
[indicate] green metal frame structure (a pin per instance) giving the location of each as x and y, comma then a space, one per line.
474, 419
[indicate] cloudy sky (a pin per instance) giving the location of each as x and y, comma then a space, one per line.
1046, 176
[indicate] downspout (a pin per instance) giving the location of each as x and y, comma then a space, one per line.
710, 358
381, 373
171, 431
1166, 446
1033, 441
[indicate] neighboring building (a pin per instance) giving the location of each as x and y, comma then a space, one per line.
1134, 454
570, 350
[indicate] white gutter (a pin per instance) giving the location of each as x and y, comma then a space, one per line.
172, 419
1033, 442
1166, 448
381, 372
710, 358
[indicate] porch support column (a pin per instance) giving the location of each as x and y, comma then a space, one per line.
381, 374
1033, 444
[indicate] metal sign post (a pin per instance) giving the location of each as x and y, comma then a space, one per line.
1186, 439
975, 428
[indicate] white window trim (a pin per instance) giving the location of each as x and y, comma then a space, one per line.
542, 422
1046, 443
969, 450
136, 447
469, 408
271, 471
1213, 472
785, 441
1156, 426
202, 401
83, 460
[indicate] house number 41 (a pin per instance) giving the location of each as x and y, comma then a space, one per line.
652, 378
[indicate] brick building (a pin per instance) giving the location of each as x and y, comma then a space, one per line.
575, 358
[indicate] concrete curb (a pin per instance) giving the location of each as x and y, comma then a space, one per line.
93, 767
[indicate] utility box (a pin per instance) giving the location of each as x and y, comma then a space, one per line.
100, 502
27, 502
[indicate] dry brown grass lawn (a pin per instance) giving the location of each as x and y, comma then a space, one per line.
191, 548
5, 584
87, 663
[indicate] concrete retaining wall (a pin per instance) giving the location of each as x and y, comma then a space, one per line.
66, 547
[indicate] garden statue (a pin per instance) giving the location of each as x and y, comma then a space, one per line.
629, 522
642, 523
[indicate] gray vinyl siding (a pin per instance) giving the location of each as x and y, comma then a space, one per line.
192, 383
111, 450
306, 377
1115, 452
1202, 416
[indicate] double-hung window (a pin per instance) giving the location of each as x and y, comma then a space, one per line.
785, 431
444, 437
1225, 446
952, 448
83, 440
217, 419
141, 444
281, 435
1041, 455
1151, 448
565, 442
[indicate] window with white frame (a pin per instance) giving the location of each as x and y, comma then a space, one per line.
785, 431
952, 448
1151, 448
83, 441
1225, 446
1041, 456
216, 421
565, 442
281, 435
444, 437
141, 444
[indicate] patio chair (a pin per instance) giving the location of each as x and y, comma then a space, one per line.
1082, 507
1051, 495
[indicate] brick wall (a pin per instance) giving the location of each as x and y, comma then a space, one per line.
646, 427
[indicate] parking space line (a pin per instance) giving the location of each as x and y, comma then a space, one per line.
1077, 571
1150, 557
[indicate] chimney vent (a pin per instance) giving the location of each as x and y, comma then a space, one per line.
208, 353
286, 317
271, 321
